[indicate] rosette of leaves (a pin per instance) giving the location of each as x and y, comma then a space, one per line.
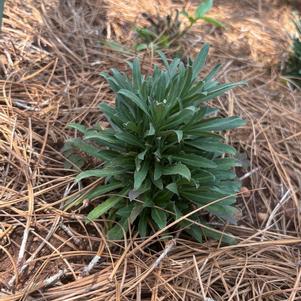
163, 155
293, 68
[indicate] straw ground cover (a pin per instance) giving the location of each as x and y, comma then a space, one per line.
51, 57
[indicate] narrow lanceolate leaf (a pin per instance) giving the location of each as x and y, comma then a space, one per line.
101, 190
178, 169
159, 217
214, 147
135, 100
196, 232
99, 173
117, 231
203, 8
220, 124
179, 134
173, 188
135, 213
89, 149
143, 223
213, 21
129, 139
157, 172
194, 160
104, 207
93, 193
200, 61
219, 90
140, 175
226, 163
104, 138
76, 126
137, 78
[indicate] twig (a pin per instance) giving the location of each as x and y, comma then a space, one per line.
249, 173
167, 249
136, 282
70, 233
53, 279
280, 203
87, 269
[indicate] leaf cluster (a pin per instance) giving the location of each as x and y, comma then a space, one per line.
165, 32
163, 155
293, 68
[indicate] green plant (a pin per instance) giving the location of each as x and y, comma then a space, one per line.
1, 12
293, 68
163, 155
164, 32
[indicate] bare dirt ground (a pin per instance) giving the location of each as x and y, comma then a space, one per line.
50, 59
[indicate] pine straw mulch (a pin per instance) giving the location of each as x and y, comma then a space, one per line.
50, 59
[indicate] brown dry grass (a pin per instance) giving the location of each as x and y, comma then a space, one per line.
50, 58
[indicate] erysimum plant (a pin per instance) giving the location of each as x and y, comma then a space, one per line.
163, 155
293, 67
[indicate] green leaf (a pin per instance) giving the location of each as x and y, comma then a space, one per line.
219, 90
104, 207
200, 197
116, 232
199, 62
196, 232
203, 8
208, 145
173, 188
194, 160
99, 173
74, 159
213, 21
141, 47
115, 46
89, 149
76, 126
105, 138
179, 134
182, 117
140, 175
135, 99
142, 225
219, 124
157, 172
178, 169
227, 213
224, 237
177, 211
101, 190
135, 213
226, 163
159, 217
141, 155
137, 78
125, 211
151, 131
129, 139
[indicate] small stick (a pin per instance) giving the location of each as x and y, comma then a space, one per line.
87, 269
249, 173
51, 280
70, 233
167, 249
280, 203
